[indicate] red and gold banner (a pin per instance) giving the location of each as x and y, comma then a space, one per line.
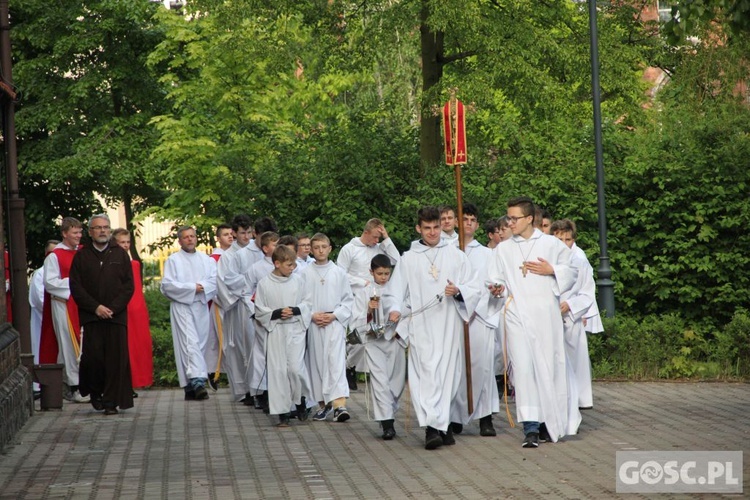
454, 127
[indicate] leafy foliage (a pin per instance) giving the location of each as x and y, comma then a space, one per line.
689, 16
82, 124
313, 113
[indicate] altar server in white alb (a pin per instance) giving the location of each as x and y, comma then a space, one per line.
575, 306
189, 282
36, 301
482, 327
354, 258
235, 300
330, 297
284, 317
65, 345
260, 269
385, 354
435, 290
532, 270
224, 237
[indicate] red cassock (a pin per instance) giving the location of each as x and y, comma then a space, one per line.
48, 347
139, 334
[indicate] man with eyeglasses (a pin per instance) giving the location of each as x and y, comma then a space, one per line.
101, 282
528, 273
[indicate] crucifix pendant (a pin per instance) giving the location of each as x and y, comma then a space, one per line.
523, 269
434, 271
323, 281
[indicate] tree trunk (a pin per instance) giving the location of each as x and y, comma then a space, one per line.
430, 142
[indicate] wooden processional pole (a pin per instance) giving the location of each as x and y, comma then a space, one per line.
454, 126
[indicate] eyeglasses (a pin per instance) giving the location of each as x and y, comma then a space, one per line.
513, 220
101, 228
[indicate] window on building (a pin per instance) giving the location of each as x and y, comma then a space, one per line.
665, 10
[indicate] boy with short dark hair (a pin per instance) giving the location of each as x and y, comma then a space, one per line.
330, 297
385, 356
303, 251
435, 284
283, 316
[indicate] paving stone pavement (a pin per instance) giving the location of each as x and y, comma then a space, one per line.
169, 448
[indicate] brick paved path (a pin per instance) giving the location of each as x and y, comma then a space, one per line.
172, 449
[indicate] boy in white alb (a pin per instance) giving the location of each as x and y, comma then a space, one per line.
385, 355
435, 290
233, 297
327, 290
224, 238
574, 307
258, 271
483, 326
354, 258
283, 316
532, 270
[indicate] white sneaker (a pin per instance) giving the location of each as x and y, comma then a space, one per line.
77, 398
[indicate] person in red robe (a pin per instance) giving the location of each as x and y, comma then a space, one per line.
61, 329
140, 345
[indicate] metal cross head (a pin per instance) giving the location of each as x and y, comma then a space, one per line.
523, 269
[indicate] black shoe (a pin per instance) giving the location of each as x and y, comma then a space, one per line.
341, 414
585, 407
264, 401
485, 426
214, 384
500, 382
201, 393
284, 420
388, 431
303, 413
456, 428
544, 436
432, 439
447, 437
351, 378
135, 394
110, 411
531, 440
257, 403
97, 403
247, 399
190, 395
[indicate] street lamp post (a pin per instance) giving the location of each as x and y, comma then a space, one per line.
604, 282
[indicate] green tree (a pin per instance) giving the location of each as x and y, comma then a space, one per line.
680, 195
692, 16
87, 99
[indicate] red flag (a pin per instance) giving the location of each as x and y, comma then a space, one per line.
454, 127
